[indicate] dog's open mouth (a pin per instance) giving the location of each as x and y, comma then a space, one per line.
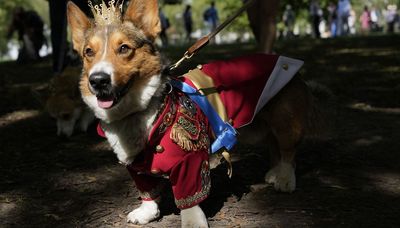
106, 102
109, 96
109, 99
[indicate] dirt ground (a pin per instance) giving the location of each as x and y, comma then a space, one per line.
350, 179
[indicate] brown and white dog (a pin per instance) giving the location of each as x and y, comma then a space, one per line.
122, 82
62, 99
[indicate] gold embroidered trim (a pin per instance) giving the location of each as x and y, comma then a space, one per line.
169, 117
203, 193
188, 126
188, 132
189, 136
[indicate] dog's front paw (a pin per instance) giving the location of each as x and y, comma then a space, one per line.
146, 213
124, 159
282, 177
193, 218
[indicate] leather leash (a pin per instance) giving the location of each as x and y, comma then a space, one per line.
206, 39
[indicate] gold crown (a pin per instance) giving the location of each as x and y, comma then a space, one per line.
106, 14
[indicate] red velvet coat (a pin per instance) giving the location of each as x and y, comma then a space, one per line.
179, 143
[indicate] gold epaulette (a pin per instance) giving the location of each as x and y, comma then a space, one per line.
206, 86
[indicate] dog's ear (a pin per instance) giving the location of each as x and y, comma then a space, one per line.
144, 15
78, 23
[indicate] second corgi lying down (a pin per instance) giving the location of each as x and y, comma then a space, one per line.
64, 103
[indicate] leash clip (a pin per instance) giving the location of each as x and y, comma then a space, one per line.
185, 57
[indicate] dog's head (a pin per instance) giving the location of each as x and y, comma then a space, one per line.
121, 66
66, 111
61, 100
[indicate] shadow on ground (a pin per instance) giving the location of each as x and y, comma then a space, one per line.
350, 179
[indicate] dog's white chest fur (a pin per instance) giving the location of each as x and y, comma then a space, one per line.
128, 137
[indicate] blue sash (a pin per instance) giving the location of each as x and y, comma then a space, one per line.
224, 132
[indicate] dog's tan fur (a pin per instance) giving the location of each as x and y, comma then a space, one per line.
282, 123
63, 102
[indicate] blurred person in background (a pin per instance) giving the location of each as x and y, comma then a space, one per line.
316, 15
351, 21
164, 26
343, 11
29, 26
188, 22
289, 19
332, 18
365, 21
391, 17
374, 13
210, 17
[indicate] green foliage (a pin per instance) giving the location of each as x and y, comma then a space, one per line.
227, 8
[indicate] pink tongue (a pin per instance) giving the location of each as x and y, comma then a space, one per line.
105, 103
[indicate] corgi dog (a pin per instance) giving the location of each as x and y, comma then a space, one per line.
156, 130
63, 102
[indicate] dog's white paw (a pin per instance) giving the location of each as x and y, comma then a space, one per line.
193, 218
146, 213
282, 177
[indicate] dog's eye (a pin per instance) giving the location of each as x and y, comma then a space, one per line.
124, 49
89, 52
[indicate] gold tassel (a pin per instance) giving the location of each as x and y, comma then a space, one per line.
227, 157
181, 137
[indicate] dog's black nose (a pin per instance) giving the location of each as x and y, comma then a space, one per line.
100, 80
